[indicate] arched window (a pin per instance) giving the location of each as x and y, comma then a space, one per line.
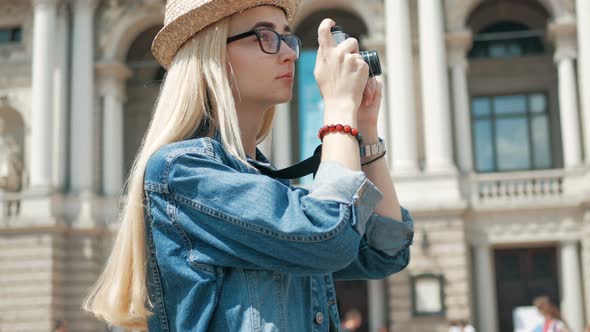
506, 39
512, 85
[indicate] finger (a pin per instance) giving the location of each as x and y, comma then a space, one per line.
371, 86
325, 38
350, 45
378, 91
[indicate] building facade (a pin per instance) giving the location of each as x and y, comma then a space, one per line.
486, 115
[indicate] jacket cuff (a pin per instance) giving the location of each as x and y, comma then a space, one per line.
334, 182
389, 235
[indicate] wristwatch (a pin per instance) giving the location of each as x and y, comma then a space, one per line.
372, 149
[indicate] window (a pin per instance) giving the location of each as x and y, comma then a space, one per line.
506, 39
511, 132
10, 35
428, 295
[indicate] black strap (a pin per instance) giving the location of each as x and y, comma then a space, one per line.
308, 166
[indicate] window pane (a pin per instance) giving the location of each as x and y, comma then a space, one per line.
497, 50
17, 34
510, 267
541, 262
480, 106
541, 146
510, 104
479, 50
310, 107
512, 143
5, 35
514, 48
538, 103
484, 154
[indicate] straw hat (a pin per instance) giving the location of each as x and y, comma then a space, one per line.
184, 18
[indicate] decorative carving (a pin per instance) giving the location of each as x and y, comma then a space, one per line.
458, 43
517, 187
115, 11
11, 169
564, 35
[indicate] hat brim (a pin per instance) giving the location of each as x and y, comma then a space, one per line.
177, 32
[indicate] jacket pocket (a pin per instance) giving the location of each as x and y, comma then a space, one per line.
266, 300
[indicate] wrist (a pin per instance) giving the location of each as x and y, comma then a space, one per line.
340, 111
370, 135
341, 118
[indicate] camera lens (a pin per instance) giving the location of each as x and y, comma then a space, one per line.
372, 59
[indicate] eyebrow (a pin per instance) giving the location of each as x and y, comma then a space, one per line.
269, 25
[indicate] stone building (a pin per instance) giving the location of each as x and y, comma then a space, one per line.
486, 114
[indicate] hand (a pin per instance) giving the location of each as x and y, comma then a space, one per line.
368, 112
340, 71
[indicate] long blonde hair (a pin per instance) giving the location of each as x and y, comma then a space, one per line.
547, 307
196, 89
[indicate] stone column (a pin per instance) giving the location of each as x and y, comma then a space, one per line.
571, 300
383, 119
60, 108
82, 105
564, 35
282, 138
435, 88
112, 78
44, 28
459, 43
583, 25
400, 88
82, 102
486, 294
377, 304
586, 260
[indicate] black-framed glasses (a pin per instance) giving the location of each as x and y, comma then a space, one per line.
270, 40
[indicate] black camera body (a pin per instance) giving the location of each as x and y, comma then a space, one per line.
370, 57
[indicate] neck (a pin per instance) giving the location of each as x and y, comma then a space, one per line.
250, 118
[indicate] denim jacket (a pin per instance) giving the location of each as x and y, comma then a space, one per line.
230, 249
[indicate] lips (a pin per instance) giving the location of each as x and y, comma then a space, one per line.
287, 75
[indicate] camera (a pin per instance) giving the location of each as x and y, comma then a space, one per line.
370, 57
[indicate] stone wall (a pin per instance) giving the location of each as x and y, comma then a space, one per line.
28, 280
45, 275
446, 254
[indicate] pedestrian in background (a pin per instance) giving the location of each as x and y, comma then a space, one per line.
551, 314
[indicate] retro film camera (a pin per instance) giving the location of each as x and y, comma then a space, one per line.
370, 57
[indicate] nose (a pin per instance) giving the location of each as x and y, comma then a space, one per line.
287, 54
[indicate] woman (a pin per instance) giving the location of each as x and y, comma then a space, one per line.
553, 321
226, 248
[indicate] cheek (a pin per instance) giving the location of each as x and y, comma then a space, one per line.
247, 69
251, 78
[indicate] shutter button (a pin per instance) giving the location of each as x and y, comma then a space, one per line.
319, 318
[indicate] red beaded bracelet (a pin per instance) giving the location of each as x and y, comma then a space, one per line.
341, 128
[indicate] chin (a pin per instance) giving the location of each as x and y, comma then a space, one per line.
281, 98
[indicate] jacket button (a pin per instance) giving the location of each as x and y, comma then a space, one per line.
319, 318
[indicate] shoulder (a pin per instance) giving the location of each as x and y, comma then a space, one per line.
160, 162
560, 325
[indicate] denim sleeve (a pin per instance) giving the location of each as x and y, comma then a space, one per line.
249, 220
334, 182
384, 250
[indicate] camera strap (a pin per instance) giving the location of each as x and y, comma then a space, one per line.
301, 169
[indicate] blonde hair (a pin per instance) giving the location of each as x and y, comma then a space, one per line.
547, 307
195, 91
